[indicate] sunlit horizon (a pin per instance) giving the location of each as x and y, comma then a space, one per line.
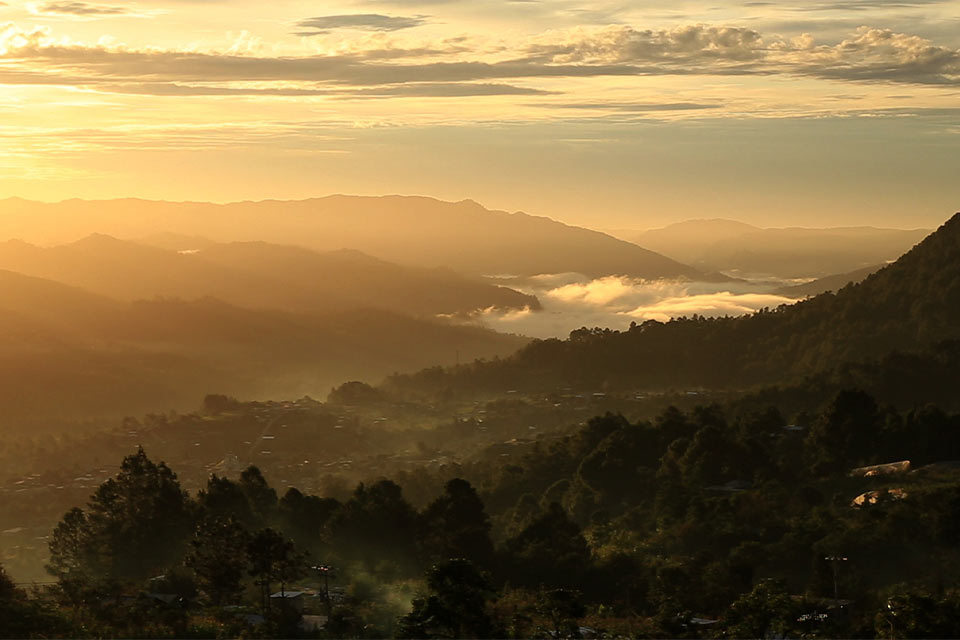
612, 116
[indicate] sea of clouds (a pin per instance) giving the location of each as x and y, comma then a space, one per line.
571, 301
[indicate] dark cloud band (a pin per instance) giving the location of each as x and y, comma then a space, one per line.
366, 21
81, 9
869, 55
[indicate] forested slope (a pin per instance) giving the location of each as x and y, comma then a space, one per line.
907, 306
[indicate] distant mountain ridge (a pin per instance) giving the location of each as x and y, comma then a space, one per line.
410, 230
257, 275
909, 306
740, 249
828, 283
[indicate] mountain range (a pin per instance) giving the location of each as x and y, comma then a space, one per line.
72, 355
827, 283
740, 249
409, 230
257, 275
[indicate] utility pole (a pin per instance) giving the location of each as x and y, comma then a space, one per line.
835, 563
324, 570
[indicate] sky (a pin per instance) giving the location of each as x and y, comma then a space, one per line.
609, 114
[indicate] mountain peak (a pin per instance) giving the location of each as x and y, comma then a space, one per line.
98, 241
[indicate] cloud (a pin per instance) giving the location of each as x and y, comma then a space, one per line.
431, 90
83, 9
689, 44
868, 55
600, 292
881, 55
409, 2
635, 107
364, 21
571, 301
722, 303
449, 90
863, 5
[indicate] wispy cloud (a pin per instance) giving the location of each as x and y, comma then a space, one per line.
634, 107
364, 21
417, 90
863, 5
79, 9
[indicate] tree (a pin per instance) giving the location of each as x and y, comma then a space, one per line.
376, 523
71, 554
260, 496
911, 613
613, 467
844, 435
135, 524
703, 461
354, 393
303, 517
455, 525
563, 608
218, 555
550, 550
455, 606
21, 617
767, 610
273, 558
214, 403
226, 499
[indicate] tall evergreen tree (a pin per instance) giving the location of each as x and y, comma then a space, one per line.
135, 524
218, 555
455, 525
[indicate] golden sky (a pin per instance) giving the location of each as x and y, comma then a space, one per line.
604, 113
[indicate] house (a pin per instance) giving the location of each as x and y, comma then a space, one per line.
874, 497
887, 469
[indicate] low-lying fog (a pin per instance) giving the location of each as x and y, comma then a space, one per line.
571, 301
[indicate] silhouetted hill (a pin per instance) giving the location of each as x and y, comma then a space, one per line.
257, 275
906, 306
364, 281
733, 247
828, 283
51, 303
686, 240
409, 230
69, 354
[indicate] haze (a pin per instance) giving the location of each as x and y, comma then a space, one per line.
610, 115
479, 319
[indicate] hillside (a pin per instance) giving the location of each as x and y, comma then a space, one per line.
257, 275
66, 354
828, 283
417, 231
907, 306
734, 247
